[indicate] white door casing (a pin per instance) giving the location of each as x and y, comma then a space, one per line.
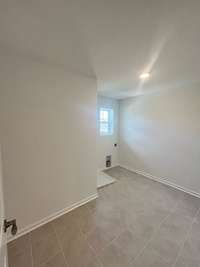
3, 246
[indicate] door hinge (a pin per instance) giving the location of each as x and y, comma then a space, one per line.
11, 223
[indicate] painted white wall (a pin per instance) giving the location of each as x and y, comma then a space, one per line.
105, 144
48, 137
159, 134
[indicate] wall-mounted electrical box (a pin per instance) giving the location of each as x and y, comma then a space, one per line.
108, 161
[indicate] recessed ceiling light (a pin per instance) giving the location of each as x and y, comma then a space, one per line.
144, 75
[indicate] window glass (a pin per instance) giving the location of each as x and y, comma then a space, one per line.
106, 121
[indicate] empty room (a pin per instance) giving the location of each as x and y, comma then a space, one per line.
99, 133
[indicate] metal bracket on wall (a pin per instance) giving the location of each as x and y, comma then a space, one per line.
11, 223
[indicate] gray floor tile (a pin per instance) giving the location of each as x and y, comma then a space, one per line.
113, 256
99, 239
20, 259
182, 261
66, 224
149, 258
77, 250
146, 224
195, 230
41, 233
130, 243
197, 217
57, 261
175, 227
188, 206
94, 263
165, 248
19, 245
45, 249
135, 222
191, 249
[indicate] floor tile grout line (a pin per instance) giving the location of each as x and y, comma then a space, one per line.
155, 232
94, 250
84, 236
51, 257
95, 254
32, 262
186, 238
81, 233
106, 246
60, 246
90, 246
109, 243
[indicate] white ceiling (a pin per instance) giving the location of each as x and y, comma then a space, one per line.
114, 40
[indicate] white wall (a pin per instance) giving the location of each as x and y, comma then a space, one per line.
48, 137
106, 143
160, 135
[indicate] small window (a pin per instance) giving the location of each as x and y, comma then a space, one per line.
106, 121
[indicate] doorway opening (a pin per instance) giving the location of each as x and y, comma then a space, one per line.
107, 138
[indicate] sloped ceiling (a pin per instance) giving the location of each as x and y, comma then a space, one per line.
113, 40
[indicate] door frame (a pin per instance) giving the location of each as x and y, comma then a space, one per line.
3, 237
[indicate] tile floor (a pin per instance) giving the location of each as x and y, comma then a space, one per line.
135, 222
103, 179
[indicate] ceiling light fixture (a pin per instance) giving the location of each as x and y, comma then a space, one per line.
144, 76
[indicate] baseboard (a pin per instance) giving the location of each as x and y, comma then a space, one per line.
51, 217
163, 181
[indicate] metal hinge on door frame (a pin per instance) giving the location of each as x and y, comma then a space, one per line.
11, 223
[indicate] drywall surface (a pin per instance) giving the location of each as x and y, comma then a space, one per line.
159, 135
48, 138
105, 144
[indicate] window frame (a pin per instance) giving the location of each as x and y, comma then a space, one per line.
110, 122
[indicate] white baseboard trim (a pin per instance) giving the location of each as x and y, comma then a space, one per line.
51, 217
163, 181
